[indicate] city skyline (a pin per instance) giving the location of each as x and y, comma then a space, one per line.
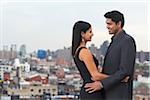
48, 24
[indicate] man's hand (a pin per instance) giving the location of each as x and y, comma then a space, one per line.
125, 79
92, 87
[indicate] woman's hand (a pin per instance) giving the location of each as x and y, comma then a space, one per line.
100, 68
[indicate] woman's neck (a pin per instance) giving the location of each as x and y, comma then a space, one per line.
83, 44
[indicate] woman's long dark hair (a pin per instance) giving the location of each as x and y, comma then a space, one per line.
80, 26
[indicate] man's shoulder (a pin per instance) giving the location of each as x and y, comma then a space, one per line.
128, 37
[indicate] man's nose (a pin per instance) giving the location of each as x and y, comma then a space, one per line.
107, 27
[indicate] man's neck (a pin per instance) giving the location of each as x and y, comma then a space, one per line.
118, 32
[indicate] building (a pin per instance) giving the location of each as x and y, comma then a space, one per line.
143, 56
141, 91
31, 90
22, 51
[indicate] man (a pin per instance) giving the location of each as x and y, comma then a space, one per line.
118, 62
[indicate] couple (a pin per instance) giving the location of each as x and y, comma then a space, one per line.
116, 79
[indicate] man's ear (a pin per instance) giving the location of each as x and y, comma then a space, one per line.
119, 23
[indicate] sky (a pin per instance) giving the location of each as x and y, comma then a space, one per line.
47, 24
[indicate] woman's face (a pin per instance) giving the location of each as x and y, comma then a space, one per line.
87, 36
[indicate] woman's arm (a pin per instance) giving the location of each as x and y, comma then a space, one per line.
86, 56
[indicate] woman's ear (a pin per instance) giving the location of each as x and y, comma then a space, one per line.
82, 34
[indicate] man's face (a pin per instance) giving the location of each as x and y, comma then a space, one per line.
112, 26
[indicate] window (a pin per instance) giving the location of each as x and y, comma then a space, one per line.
39, 90
44, 90
32, 90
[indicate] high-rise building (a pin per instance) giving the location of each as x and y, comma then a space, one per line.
143, 56
13, 50
22, 51
63, 56
5, 47
13, 47
103, 47
93, 49
5, 54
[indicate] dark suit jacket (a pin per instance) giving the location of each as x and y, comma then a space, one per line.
119, 63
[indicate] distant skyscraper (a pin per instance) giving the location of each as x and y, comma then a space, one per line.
5, 53
63, 56
103, 47
13, 47
5, 48
94, 49
143, 56
22, 51
13, 50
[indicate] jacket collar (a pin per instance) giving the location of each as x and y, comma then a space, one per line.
115, 40
118, 36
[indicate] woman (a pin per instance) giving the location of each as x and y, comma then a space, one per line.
85, 61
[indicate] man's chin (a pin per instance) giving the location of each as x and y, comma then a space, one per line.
110, 33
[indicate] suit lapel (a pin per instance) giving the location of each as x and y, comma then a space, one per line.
110, 47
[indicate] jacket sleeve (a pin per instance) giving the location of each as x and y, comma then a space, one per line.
126, 66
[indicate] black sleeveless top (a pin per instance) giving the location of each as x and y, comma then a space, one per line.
86, 76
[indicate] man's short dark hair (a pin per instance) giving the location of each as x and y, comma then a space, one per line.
115, 16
